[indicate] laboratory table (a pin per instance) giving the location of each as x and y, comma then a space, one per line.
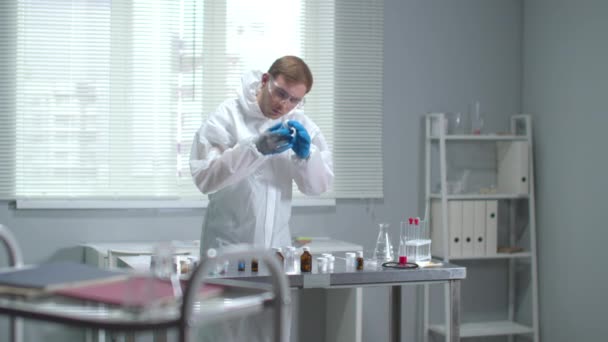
343, 278
243, 297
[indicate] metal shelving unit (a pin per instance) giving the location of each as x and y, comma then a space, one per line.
446, 225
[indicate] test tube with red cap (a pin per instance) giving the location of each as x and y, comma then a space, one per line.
402, 243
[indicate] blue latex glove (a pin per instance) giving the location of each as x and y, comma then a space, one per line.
301, 144
276, 139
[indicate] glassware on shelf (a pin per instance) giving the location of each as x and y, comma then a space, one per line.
476, 119
455, 123
384, 249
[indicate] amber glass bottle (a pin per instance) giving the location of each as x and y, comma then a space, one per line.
254, 265
359, 261
306, 260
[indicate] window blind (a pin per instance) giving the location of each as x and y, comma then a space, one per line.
101, 99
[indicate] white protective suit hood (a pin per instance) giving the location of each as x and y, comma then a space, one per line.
249, 193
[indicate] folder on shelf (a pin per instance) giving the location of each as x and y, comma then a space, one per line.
138, 291
42, 278
468, 229
479, 228
491, 227
455, 220
437, 235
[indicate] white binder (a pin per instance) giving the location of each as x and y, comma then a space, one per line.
436, 230
491, 227
479, 228
455, 223
468, 228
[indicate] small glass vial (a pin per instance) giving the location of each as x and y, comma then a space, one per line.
330, 263
241, 266
359, 261
280, 257
290, 259
350, 260
322, 264
254, 264
306, 260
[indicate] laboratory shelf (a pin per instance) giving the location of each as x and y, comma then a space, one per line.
481, 196
487, 137
474, 226
495, 256
493, 328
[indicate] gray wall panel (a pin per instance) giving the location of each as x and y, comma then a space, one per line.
565, 88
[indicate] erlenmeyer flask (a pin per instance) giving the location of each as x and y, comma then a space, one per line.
384, 250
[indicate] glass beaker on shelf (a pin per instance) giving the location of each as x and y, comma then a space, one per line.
383, 251
476, 118
455, 123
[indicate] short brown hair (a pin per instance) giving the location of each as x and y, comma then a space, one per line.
293, 69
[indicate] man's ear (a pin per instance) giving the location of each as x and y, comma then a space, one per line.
265, 78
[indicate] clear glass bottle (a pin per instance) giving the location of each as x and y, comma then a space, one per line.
384, 249
351, 258
322, 264
290, 259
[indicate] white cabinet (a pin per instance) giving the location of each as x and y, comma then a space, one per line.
480, 212
512, 159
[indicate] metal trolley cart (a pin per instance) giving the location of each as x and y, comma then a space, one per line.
237, 299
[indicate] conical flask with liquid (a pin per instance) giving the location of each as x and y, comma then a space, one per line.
384, 250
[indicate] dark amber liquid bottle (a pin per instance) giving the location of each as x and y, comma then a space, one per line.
306, 260
359, 261
254, 265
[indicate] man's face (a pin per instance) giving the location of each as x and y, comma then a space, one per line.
277, 97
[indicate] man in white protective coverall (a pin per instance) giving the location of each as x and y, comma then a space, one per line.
246, 155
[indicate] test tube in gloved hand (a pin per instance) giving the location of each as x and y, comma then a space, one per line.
276, 139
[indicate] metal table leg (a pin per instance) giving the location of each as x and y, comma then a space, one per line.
394, 305
454, 322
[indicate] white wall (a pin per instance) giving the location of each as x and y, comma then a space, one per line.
439, 56
565, 88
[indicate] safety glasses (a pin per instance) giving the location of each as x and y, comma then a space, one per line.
283, 96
